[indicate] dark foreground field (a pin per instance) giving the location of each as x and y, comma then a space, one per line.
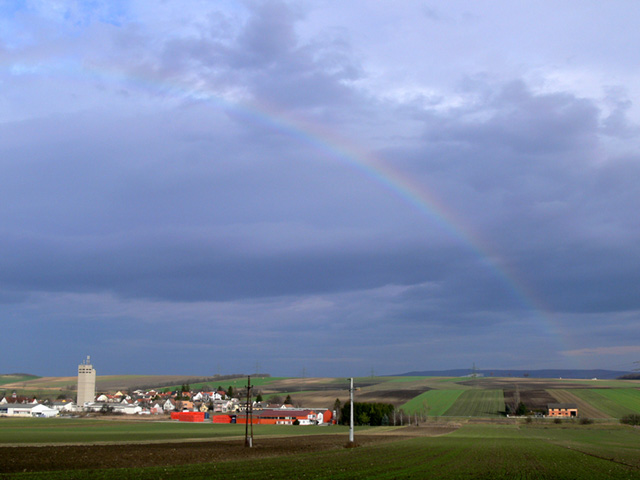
70, 457
472, 452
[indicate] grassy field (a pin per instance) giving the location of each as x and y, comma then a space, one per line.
472, 452
615, 402
15, 379
24, 431
478, 403
432, 402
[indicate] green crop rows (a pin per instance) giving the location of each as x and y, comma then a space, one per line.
491, 451
616, 402
477, 403
61, 430
433, 402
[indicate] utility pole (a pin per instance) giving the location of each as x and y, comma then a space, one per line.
351, 413
248, 439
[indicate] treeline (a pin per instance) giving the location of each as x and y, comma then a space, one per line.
374, 414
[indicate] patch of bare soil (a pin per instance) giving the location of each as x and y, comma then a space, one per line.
68, 457
534, 399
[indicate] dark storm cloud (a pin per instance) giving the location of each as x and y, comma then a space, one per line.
539, 187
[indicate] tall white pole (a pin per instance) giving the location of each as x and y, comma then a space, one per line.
351, 413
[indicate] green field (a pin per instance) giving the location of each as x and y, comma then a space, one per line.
240, 382
477, 403
472, 452
83, 430
433, 402
616, 402
8, 379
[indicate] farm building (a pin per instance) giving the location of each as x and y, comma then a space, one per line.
562, 410
26, 410
287, 417
188, 416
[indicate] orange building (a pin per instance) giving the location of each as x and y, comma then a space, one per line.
562, 410
279, 417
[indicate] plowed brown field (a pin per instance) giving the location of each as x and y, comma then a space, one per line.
67, 457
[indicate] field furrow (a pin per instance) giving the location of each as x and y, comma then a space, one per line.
585, 408
478, 403
615, 402
432, 403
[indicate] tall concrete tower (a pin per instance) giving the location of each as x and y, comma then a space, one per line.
86, 382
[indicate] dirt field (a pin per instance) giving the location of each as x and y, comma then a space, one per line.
534, 399
67, 457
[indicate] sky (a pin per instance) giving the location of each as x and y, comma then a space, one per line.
318, 188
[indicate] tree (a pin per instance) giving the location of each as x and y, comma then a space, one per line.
521, 409
336, 408
230, 392
259, 397
631, 419
363, 419
288, 400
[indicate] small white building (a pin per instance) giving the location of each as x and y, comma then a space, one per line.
169, 406
65, 406
26, 410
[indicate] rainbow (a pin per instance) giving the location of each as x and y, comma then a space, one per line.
401, 186
358, 159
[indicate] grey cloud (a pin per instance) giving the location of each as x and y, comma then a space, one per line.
524, 123
135, 190
267, 59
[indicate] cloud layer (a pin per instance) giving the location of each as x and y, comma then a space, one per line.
283, 186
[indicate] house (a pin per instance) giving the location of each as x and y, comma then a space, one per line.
221, 406
169, 405
64, 406
562, 410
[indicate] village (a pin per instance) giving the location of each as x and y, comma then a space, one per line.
181, 404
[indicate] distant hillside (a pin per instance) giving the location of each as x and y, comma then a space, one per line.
8, 378
551, 373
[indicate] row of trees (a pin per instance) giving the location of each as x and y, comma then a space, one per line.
367, 413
